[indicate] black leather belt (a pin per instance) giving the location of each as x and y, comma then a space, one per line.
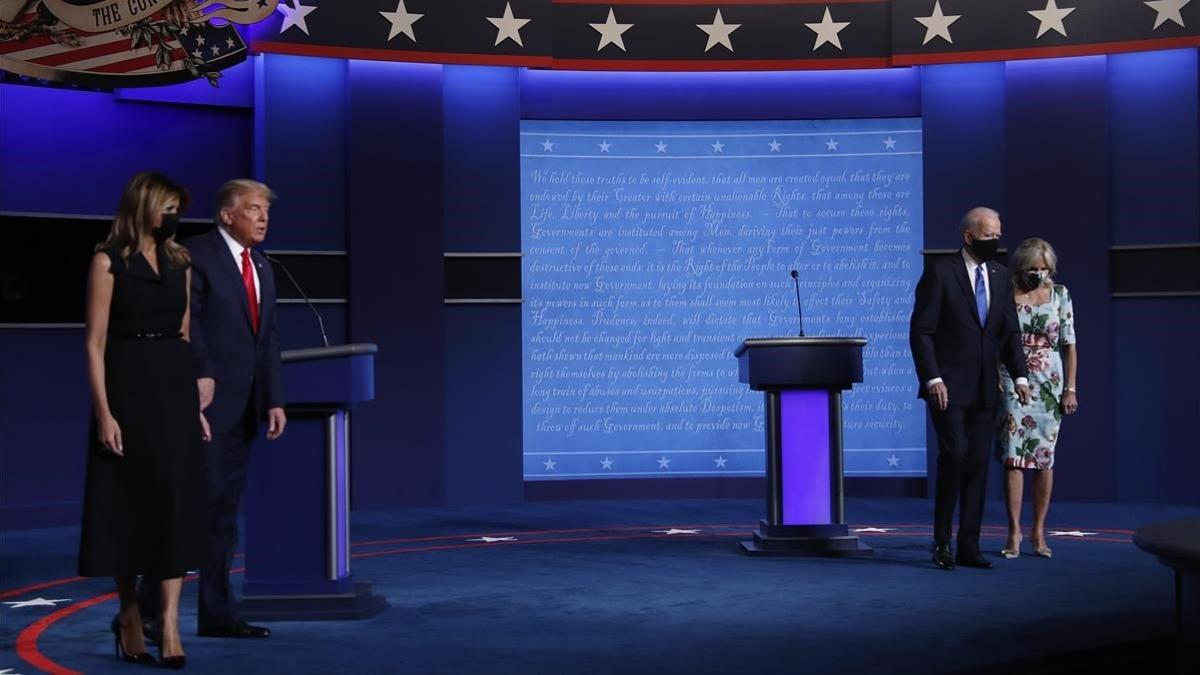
147, 335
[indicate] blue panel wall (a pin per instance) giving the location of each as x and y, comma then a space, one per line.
481, 213
1153, 136
1154, 123
301, 150
298, 327
45, 408
481, 167
483, 405
962, 107
393, 169
1056, 178
1157, 407
68, 151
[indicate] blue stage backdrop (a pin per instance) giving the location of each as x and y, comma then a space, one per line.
652, 249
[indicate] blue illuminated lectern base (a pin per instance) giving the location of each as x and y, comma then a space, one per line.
803, 379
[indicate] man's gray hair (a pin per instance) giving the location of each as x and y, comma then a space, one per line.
976, 216
228, 194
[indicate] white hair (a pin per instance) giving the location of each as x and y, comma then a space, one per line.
976, 216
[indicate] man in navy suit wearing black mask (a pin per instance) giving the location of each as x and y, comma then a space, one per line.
963, 324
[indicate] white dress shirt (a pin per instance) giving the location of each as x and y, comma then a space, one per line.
236, 250
973, 268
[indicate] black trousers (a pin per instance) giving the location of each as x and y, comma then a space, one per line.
965, 439
226, 459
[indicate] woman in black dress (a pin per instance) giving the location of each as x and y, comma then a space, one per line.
143, 505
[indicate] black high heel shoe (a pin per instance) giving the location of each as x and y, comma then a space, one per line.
173, 662
143, 658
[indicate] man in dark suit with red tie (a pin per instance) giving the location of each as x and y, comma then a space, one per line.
963, 324
235, 345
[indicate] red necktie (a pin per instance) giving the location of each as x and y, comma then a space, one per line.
248, 282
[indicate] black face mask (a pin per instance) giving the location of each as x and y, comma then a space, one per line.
1032, 279
170, 225
984, 249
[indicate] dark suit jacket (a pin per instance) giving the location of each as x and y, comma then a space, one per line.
245, 366
947, 340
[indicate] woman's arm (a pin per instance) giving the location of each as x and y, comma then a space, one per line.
1070, 356
1070, 400
100, 291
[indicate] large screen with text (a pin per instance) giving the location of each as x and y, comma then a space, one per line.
652, 249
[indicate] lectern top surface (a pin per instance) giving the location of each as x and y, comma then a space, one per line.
332, 351
799, 341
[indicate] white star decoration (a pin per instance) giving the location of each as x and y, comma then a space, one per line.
775, 145
550, 464
611, 31
827, 30
937, 24
508, 27
1168, 10
1051, 18
662, 147
889, 143
720, 461
1071, 533
718, 32
873, 529
606, 463
718, 147
492, 540
831, 145
893, 461
36, 602
402, 22
674, 531
604, 145
294, 16
664, 463
547, 145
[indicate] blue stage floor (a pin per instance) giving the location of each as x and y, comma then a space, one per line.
604, 587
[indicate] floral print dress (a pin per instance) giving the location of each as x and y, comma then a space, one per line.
1029, 432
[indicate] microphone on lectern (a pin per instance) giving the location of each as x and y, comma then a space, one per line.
799, 307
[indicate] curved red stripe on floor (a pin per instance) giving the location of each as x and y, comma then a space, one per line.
27, 641
38, 587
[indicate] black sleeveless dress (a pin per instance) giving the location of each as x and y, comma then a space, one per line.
143, 513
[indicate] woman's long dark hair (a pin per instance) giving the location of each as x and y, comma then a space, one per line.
139, 213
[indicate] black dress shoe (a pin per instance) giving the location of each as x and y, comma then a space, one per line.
975, 560
943, 557
241, 629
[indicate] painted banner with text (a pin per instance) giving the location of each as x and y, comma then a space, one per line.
652, 249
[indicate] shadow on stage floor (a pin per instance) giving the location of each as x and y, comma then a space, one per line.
657, 586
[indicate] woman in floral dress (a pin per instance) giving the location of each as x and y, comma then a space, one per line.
1028, 433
